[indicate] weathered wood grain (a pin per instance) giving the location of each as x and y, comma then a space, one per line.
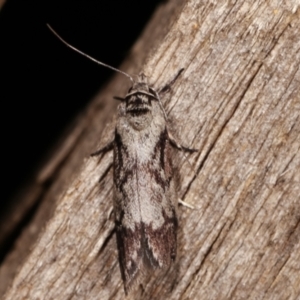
238, 102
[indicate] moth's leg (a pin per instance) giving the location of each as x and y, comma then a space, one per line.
106, 148
110, 213
167, 87
119, 98
105, 172
185, 204
176, 145
160, 104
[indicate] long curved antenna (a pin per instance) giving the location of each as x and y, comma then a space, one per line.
89, 57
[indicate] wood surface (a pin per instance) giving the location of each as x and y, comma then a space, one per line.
238, 102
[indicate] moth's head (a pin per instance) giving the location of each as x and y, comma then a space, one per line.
139, 97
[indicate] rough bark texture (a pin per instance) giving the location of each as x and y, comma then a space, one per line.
238, 101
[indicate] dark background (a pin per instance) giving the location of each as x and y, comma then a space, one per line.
44, 85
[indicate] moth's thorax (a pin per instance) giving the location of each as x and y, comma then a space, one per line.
140, 129
139, 104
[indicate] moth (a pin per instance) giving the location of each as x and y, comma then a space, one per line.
145, 199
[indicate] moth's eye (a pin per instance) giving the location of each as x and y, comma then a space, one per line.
129, 90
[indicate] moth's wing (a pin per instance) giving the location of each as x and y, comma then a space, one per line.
128, 225
160, 243
160, 238
146, 222
130, 253
145, 248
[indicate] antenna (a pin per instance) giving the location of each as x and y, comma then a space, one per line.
89, 57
